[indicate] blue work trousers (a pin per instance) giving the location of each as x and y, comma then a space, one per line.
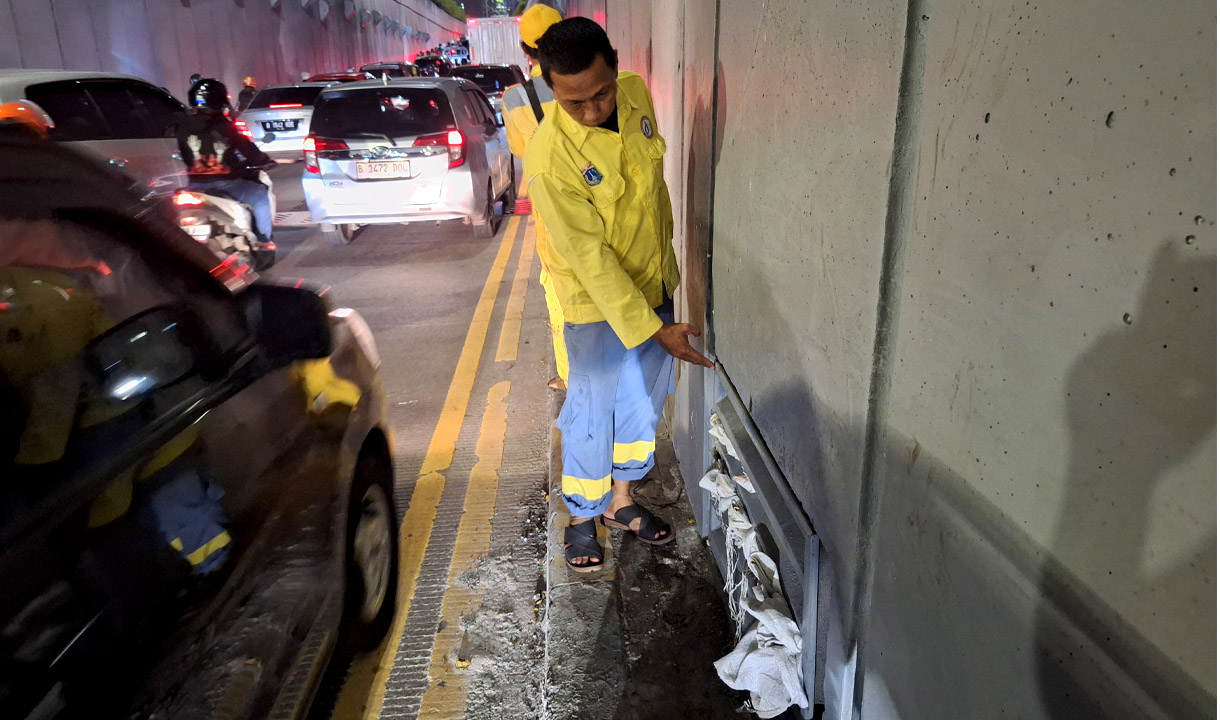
609, 419
246, 192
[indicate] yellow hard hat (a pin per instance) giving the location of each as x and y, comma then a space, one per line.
27, 114
248, 81
535, 21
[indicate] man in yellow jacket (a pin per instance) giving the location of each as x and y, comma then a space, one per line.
595, 176
524, 107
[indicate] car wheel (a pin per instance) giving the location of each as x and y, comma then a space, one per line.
372, 554
486, 227
510, 194
341, 234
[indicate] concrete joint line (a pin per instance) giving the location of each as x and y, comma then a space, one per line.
899, 206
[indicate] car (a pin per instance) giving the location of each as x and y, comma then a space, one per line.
492, 80
282, 112
405, 151
457, 54
391, 69
433, 66
119, 119
197, 505
339, 77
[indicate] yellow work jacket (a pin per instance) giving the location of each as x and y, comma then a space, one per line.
603, 199
519, 120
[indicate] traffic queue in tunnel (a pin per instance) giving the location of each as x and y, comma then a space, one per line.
144, 360
203, 503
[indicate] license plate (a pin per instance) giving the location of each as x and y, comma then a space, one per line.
279, 125
383, 170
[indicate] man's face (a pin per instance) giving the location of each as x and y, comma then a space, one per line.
588, 96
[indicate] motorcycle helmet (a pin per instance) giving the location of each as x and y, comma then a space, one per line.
248, 81
210, 95
27, 116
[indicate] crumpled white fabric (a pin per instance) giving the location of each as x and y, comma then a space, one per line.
767, 659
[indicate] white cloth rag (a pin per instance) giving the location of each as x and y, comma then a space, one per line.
767, 661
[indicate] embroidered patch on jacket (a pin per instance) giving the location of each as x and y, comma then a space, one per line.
646, 127
592, 176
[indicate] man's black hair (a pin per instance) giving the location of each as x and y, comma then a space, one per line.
531, 53
571, 46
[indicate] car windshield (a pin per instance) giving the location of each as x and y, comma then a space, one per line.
390, 70
285, 96
388, 111
489, 79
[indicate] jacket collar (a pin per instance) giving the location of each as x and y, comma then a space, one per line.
579, 133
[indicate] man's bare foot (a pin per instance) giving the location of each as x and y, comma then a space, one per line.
556, 384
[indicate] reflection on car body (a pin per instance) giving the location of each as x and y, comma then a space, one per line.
187, 454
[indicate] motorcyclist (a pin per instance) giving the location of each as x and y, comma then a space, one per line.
248, 91
219, 158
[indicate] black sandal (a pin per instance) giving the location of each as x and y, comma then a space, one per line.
650, 525
581, 541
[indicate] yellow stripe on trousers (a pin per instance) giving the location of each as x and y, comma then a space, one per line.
587, 489
633, 452
365, 689
445, 698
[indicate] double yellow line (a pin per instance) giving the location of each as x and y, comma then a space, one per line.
364, 692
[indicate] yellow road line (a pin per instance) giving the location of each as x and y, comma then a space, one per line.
510, 332
446, 695
364, 691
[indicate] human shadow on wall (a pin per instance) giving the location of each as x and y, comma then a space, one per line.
1139, 401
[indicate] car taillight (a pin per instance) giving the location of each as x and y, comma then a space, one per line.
453, 139
243, 129
189, 199
313, 146
279, 106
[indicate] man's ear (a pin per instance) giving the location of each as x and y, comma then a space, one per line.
614, 60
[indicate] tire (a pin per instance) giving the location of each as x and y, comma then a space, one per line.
342, 234
510, 195
485, 228
371, 565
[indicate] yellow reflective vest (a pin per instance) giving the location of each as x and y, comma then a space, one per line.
519, 120
603, 199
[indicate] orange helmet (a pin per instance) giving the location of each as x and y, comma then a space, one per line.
248, 81
27, 115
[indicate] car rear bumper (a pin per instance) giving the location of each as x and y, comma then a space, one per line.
362, 203
285, 149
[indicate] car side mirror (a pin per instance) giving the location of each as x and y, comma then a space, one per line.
144, 353
289, 322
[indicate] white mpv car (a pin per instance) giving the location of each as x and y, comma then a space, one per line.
405, 150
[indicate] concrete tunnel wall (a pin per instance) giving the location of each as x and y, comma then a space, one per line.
165, 41
1014, 470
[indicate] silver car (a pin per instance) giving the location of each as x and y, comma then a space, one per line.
406, 150
282, 112
122, 120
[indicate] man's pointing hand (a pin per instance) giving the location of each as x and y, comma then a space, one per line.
672, 337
